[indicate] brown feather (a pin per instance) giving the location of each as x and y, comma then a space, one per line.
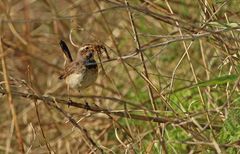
71, 68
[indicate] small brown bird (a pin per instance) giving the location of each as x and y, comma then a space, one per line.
83, 71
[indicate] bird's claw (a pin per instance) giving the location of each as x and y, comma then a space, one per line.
87, 106
69, 102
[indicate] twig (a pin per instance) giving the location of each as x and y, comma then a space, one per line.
50, 100
10, 100
138, 47
82, 129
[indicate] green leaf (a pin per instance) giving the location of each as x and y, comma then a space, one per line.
224, 25
233, 25
217, 81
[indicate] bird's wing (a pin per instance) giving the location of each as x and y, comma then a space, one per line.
71, 68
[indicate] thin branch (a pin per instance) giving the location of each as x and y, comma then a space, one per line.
10, 100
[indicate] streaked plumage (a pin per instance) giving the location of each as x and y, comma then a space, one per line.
80, 74
83, 71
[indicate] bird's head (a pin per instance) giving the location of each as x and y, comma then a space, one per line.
89, 51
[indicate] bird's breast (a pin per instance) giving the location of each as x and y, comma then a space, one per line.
82, 80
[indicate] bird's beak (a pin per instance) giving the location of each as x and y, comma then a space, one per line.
90, 55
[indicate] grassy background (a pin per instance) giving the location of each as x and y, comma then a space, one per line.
173, 72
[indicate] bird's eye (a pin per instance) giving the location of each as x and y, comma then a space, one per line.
87, 48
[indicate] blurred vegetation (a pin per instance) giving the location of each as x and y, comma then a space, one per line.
176, 93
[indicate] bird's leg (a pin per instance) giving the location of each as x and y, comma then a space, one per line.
69, 99
87, 107
68, 91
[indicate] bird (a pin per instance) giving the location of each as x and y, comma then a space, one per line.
81, 72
